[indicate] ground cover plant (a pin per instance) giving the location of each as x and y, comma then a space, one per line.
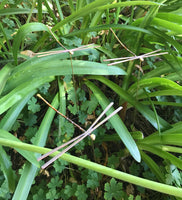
136, 155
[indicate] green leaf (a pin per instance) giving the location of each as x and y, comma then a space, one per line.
116, 123
154, 167
89, 165
72, 94
4, 193
29, 171
82, 117
4, 75
60, 165
30, 120
168, 25
143, 109
171, 17
73, 109
91, 105
107, 27
173, 176
23, 31
16, 126
30, 132
70, 190
131, 197
44, 88
94, 56
165, 138
92, 180
135, 169
20, 92
39, 195
165, 38
113, 190
55, 182
158, 150
154, 82
29, 156
11, 116
81, 95
6, 123
9, 22
113, 161
72, 41
29, 72
86, 10
33, 106
68, 129
53, 194
81, 192
15, 11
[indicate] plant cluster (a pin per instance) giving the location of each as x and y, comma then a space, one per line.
138, 151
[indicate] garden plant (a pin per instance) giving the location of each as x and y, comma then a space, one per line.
61, 50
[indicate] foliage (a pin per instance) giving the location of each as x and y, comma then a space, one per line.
113, 190
81, 85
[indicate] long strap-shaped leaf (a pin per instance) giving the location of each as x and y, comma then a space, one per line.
117, 123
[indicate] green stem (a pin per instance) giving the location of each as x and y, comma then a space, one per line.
171, 190
31, 11
171, 149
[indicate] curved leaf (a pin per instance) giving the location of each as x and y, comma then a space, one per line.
153, 83
143, 109
56, 67
20, 92
23, 31
171, 17
4, 75
170, 139
165, 38
153, 166
9, 119
168, 25
107, 27
6, 123
86, 10
15, 11
116, 123
159, 151
6, 167
28, 155
129, 3
164, 92
29, 171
